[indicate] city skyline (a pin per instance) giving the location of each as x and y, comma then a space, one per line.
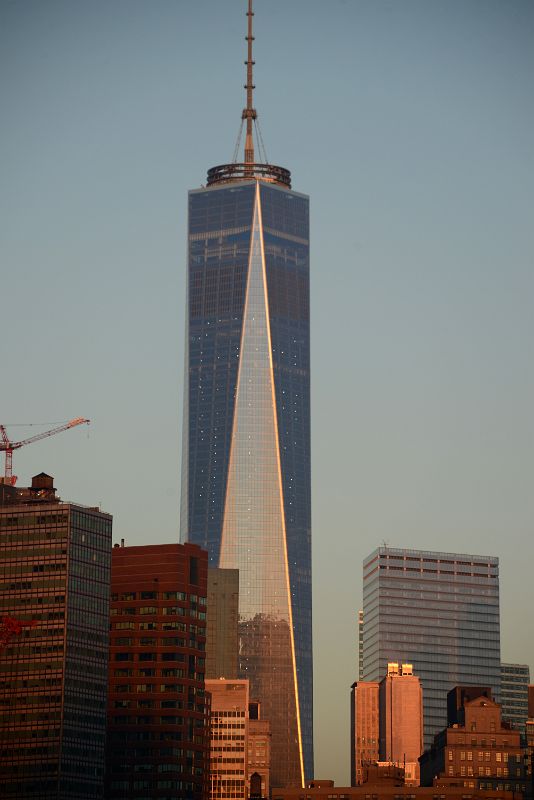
421, 270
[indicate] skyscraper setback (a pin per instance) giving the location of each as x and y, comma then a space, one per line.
246, 496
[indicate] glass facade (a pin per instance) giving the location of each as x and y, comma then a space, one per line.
55, 571
437, 611
515, 679
247, 439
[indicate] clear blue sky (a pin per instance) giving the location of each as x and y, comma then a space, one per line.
411, 125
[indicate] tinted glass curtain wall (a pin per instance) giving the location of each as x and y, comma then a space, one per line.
438, 612
246, 497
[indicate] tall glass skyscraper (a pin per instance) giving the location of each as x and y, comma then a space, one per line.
437, 611
246, 466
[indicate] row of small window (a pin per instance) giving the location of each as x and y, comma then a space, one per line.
178, 611
218, 714
53, 549
182, 785
487, 771
148, 656
481, 755
507, 787
149, 751
159, 596
148, 704
172, 625
125, 719
149, 673
161, 767
232, 737
30, 520
484, 742
225, 760
423, 560
221, 727
145, 641
142, 688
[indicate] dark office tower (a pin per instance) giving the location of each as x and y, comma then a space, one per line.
158, 736
247, 427
437, 611
54, 605
515, 679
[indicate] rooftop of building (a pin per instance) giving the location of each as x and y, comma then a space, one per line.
42, 493
429, 555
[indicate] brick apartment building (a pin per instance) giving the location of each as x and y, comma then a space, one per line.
478, 750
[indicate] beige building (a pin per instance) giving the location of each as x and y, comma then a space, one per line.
239, 743
401, 720
364, 728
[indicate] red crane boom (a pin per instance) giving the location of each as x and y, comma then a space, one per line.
8, 446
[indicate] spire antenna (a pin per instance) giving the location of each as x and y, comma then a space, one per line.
249, 113
250, 168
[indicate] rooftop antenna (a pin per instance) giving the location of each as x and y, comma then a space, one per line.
249, 113
249, 168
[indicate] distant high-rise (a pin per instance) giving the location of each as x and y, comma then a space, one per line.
437, 611
55, 561
515, 679
246, 458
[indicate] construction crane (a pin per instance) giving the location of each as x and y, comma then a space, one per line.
10, 627
7, 446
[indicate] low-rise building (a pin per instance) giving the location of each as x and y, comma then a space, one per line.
386, 782
478, 751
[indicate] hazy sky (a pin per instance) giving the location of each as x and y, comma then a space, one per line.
411, 125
